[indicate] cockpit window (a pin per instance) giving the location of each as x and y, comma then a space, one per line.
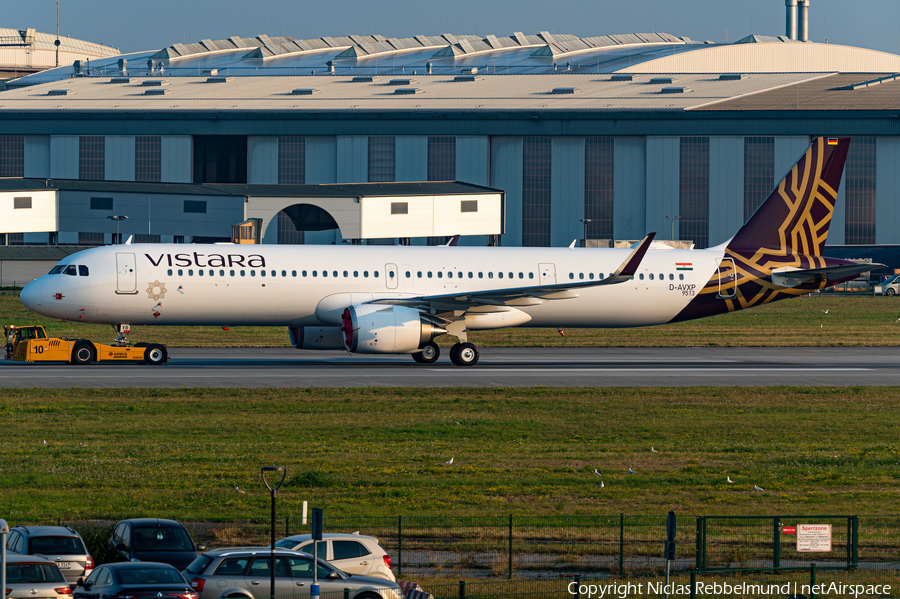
82, 270
57, 269
70, 270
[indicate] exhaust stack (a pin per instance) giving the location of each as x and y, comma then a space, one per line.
791, 19
803, 21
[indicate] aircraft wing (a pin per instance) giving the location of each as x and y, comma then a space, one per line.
523, 296
788, 277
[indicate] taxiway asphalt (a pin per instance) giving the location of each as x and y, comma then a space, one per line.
498, 367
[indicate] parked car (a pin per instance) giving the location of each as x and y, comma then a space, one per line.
134, 580
60, 544
890, 286
246, 574
152, 540
31, 576
351, 553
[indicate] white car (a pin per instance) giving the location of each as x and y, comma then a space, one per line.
353, 553
890, 286
28, 576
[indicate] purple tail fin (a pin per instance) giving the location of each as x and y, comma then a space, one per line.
795, 217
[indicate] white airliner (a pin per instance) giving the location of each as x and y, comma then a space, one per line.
396, 300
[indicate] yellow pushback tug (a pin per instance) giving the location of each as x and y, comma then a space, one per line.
31, 344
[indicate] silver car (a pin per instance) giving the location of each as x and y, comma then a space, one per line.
244, 573
60, 544
353, 553
34, 578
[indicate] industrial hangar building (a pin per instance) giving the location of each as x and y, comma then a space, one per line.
611, 136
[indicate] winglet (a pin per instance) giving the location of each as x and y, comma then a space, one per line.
630, 266
453, 241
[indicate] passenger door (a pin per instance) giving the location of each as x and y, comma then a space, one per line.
391, 275
302, 577
351, 557
126, 274
259, 578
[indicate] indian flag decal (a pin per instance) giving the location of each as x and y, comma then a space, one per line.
684, 266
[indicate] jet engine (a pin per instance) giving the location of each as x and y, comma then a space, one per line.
378, 329
316, 337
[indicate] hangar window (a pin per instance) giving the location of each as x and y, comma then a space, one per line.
22, 203
148, 158
287, 230
468, 206
220, 158
759, 172
399, 207
101, 203
90, 238
859, 221
12, 155
145, 238
92, 157
693, 190
381, 159
195, 206
536, 152
599, 157
441, 158
291, 160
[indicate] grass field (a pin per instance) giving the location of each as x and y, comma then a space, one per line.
382, 452
850, 321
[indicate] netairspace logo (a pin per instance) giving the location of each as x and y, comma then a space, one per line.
623, 590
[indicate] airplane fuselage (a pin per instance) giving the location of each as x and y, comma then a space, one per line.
174, 284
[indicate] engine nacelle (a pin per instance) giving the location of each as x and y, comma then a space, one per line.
377, 329
316, 337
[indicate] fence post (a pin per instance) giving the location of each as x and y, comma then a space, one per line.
462, 589
346, 592
509, 576
399, 546
812, 581
693, 584
697, 544
855, 536
287, 526
621, 544
776, 543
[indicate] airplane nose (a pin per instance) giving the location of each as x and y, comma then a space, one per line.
31, 296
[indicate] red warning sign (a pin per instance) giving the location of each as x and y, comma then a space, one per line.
789, 530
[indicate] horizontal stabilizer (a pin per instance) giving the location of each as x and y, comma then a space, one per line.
790, 277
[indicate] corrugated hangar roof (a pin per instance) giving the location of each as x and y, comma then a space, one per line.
30, 38
565, 91
845, 91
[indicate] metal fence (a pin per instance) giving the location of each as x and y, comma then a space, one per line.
550, 546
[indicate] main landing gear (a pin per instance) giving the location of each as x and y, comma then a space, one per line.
464, 354
461, 354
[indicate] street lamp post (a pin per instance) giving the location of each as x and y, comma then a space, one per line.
117, 219
673, 219
585, 221
272, 492
4, 530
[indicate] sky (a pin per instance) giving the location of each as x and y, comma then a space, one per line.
134, 26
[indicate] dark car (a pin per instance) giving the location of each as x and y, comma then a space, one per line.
134, 580
152, 540
60, 544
